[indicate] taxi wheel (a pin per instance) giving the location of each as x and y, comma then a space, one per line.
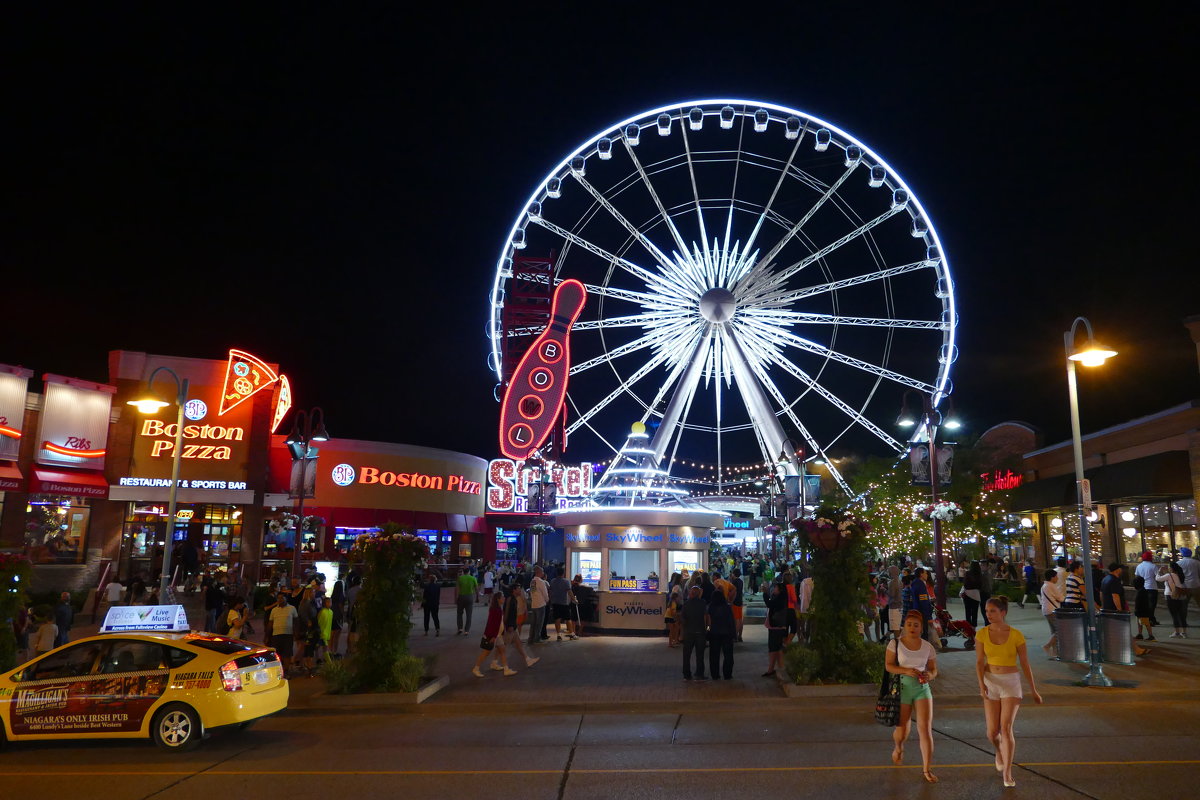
176, 727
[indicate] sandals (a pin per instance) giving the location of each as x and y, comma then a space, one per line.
930, 777
898, 755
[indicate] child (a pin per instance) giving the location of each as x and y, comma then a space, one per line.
1141, 608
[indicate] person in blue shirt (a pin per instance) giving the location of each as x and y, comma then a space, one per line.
923, 603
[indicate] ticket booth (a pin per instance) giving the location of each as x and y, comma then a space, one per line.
628, 555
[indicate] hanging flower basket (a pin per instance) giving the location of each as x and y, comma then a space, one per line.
944, 510
831, 530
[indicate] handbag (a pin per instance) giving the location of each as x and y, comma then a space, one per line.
486, 643
887, 706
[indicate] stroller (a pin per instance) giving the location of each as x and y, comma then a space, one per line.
947, 627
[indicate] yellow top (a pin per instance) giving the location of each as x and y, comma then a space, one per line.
1000, 655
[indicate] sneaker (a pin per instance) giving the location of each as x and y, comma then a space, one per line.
560, 638
1139, 636
572, 637
475, 671
496, 666
529, 662
1174, 635
509, 672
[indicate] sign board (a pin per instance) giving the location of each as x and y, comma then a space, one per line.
73, 426
919, 457
509, 485
172, 619
634, 538
366, 475
14, 385
1085, 492
633, 584
635, 610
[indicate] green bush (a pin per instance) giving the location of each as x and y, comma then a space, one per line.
855, 661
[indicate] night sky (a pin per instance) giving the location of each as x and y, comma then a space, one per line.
331, 191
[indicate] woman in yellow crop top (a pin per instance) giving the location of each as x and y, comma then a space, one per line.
997, 650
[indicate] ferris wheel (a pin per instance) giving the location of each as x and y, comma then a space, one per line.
756, 277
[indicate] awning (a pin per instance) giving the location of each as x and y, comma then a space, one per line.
1160, 475
84, 484
11, 479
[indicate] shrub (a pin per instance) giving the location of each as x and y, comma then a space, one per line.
856, 661
14, 577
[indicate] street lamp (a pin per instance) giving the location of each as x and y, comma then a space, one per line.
307, 427
931, 418
152, 404
1092, 354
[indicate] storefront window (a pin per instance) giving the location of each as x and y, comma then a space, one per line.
1128, 522
1156, 529
685, 562
1183, 518
633, 565
508, 547
587, 564
56, 529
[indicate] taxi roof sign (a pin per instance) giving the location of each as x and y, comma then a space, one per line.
145, 618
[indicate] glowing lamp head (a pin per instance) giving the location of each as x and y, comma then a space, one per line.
638, 427
149, 404
1093, 354
321, 435
906, 419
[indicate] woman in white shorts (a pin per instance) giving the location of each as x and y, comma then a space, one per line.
997, 650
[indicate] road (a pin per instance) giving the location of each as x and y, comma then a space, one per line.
1127, 750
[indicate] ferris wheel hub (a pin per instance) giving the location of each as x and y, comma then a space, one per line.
718, 305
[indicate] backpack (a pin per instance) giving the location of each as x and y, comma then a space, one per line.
223, 623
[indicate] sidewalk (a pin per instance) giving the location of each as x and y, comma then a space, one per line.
643, 673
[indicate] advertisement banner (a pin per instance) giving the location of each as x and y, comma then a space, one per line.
145, 618
637, 611
14, 385
93, 704
73, 425
511, 485
920, 461
369, 475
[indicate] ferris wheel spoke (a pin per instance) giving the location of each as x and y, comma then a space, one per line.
652, 339
840, 404
689, 363
800, 343
595, 249
648, 301
687, 150
765, 262
782, 298
656, 360
680, 244
648, 320
664, 261
767, 209
781, 278
781, 316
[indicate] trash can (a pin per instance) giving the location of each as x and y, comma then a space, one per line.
1072, 635
1116, 641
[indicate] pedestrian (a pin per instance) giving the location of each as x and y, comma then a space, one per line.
431, 598
21, 629
1051, 597
214, 603
694, 613
44, 640
539, 598
1112, 593
64, 618
1148, 572
235, 618
1173, 587
514, 616
113, 592
354, 581
1141, 608
560, 604
489, 584
492, 643
915, 661
1073, 594
793, 603
924, 603
338, 600
998, 648
739, 602
895, 606
776, 624
722, 628
1031, 583
987, 575
282, 625
672, 617
970, 593
468, 588
585, 603
1191, 578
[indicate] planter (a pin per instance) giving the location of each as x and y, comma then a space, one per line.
832, 690
829, 539
430, 686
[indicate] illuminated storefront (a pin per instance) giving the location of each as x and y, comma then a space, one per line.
359, 486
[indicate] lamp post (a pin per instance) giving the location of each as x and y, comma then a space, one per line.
151, 404
1092, 354
307, 427
931, 418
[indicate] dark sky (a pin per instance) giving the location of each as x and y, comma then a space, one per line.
330, 190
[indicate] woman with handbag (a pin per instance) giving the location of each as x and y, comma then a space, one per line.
913, 659
491, 641
1173, 588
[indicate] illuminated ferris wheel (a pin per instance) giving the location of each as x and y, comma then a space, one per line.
755, 276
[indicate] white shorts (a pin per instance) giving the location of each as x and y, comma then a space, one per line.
1002, 684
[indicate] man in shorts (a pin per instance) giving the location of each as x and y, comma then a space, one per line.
739, 601
560, 605
283, 618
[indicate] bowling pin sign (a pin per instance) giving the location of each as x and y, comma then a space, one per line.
538, 387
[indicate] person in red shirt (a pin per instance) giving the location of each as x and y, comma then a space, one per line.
492, 643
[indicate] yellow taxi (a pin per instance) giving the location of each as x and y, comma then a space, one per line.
169, 684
